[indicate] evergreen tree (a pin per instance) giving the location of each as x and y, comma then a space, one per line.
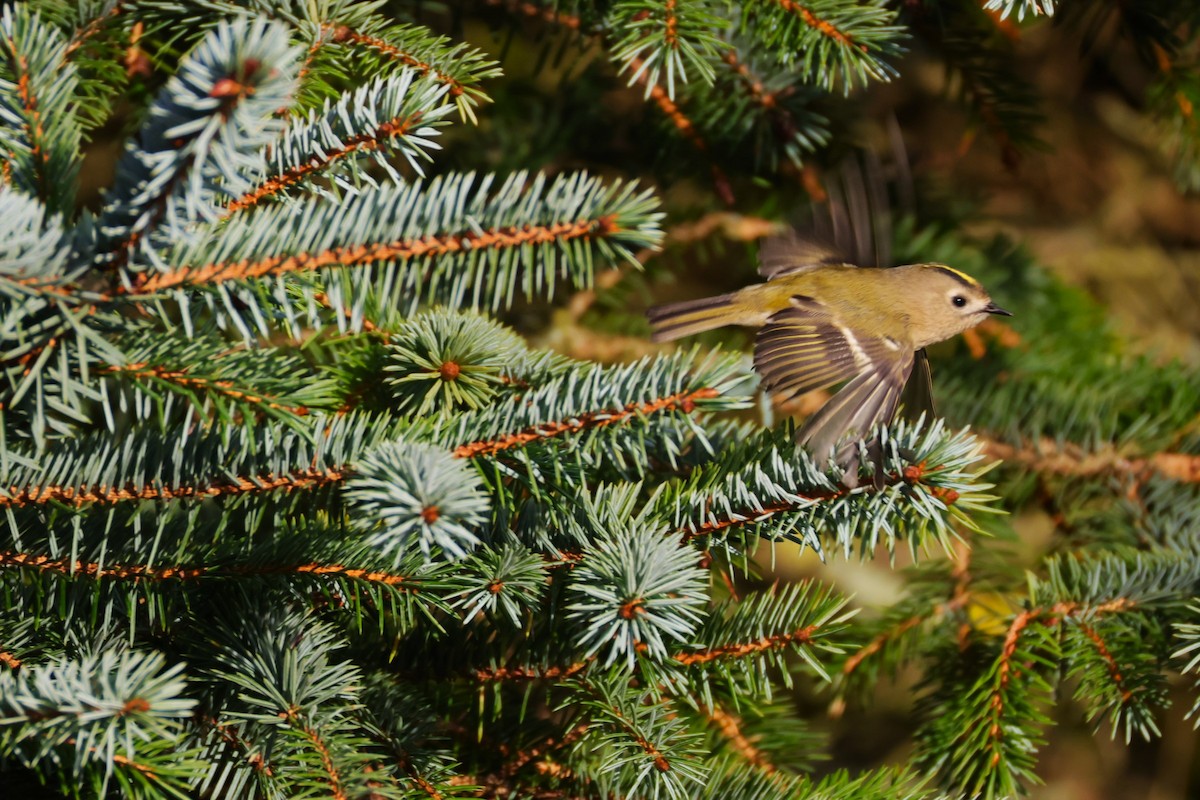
293, 510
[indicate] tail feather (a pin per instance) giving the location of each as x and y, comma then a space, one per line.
675, 320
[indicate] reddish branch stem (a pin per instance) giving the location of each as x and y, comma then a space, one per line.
1049, 456
81, 495
742, 649
683, 401
315, 477
1043, 615
141, 572
365, 254
333, 778
363, 142
730, 727
33, 117
687, 129
181, 378
346, 35
821, 26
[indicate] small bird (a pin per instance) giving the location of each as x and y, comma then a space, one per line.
824, 321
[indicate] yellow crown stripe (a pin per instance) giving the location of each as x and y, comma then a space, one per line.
952, 272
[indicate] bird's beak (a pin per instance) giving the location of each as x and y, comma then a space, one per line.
992, 308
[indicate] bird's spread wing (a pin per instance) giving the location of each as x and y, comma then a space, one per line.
789, 252
866, 401
803, 348
852, 227
917, 398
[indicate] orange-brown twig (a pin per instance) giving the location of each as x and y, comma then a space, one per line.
222, 387
142, 572
683, 401
361, 143
876, 644
1114, 669
81, 495
821, 26
333, 777
754, 87
801, 636
756, 515
686, 128
346, 35
315, 477
522, 757
731, 729
362, 255
90, 30
33, 116
1048, 456
92, 569
1046, 615
533, 673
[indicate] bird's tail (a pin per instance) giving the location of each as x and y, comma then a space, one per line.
691, 316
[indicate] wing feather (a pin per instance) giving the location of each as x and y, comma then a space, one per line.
788, 253
802, 349
866, 401
917, 398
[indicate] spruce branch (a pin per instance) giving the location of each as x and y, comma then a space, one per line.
636, 747
112, 718
1187, 634
1049, 456
588, 400
445, 361
184, 465
341, 39
202, 136
103, 48
295, 694
674, 37
914, 624
506, 584
773, 109
408, 495
837, 42
208, 379
1116, 677
457, 67
323, 451
49, 328
453, 241
779, 492
680, 401
393, 115
1000, 102
1174, 97
634, 593
745, 645
40, 121
730, 778
731, 728
1085, 616
686, 128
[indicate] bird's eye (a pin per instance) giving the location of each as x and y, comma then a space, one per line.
958, 300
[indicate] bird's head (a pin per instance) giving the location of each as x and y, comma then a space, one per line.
948, 302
